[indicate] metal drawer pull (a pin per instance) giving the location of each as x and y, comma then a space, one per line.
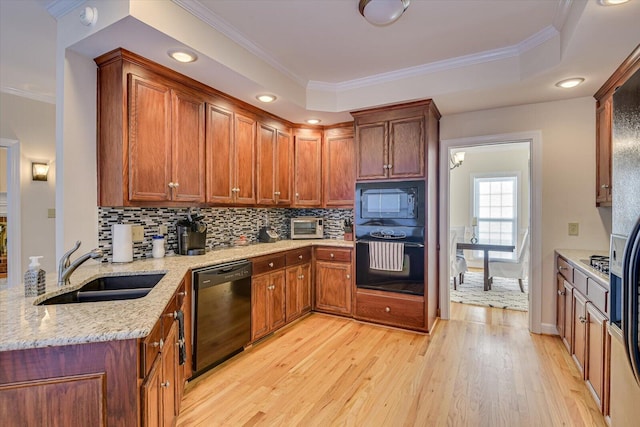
332, 255
387, 309
348, 276
561, 293
158, 344
166, 384
299, 256
182, 294
605, 186
562, 268
271, 264
583, 319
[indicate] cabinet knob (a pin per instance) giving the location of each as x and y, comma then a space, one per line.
332, 255
271, 264
583, 319
299, 256
389, 166
165, 384
170, 185
561, 293
387, 309
348, 276
605, 186
182, 294
277, 193
562, 268
158, 344
301, 276
176, 185
384, 167
297, 195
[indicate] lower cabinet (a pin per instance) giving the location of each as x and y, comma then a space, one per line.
267, 303
597, 355
333, 280
579, 330
298, 291
390, 308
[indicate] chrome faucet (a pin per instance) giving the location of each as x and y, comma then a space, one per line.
65, 267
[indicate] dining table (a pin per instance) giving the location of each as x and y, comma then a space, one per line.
486, 248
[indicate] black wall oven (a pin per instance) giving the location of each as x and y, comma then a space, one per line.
389, 216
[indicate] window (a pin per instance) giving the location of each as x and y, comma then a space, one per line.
495, 206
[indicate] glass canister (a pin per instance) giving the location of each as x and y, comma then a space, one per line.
158, 246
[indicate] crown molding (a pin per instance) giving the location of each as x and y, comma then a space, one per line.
562, 12
59, 8
49, 99
201, 12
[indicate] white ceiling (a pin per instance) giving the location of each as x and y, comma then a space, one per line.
465, 54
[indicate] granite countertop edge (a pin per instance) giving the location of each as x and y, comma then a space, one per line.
26, 326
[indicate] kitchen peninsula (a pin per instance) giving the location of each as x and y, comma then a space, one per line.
97, 350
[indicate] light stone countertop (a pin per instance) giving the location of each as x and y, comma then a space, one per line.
577, 256
24, 325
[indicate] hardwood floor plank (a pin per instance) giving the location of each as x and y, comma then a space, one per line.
481, 368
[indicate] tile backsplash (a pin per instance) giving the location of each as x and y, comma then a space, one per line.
224, 225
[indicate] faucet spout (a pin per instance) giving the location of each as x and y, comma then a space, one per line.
66, 268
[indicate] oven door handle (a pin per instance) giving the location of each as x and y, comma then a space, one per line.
407, 244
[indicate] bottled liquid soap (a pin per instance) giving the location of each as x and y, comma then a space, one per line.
34, 278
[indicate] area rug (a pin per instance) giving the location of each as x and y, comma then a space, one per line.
504, 293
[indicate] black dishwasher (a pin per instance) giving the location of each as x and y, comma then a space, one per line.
222, 313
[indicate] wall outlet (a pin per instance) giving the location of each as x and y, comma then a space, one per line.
137, 233
574, 229
162, 230
51, 213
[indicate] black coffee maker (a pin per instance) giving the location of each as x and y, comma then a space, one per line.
192, 236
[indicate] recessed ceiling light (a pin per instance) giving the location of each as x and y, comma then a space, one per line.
611, 2
182, 55
266, 98
569, 83
313, 121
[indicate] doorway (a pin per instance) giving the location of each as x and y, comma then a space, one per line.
10, 171
492, 165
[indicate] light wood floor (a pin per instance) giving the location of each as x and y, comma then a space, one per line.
481, 368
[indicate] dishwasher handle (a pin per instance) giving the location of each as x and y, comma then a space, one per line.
218, 274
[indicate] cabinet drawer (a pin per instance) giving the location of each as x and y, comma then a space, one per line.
267, 263
333, 254
565, 269
149, 349
299, 256
597, 295
580, 281
393, 309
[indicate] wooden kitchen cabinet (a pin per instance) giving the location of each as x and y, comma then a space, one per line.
298, 291
275, 148
579, 331
150, 136
560, 305
307, 168
391, 141
333, 280
230, 159
597, 352
267, 303
338, 162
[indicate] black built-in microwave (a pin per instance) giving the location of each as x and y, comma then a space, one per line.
399, 203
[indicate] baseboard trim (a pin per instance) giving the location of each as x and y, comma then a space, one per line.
548, 329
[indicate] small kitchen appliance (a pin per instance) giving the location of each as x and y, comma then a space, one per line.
267, 235
307, 228
192, 236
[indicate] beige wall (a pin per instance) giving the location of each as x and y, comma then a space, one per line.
32, 123
568, 174
3, 170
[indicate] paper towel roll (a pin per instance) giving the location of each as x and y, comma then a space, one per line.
122, 243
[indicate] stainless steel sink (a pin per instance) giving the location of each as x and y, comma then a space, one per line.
109, 288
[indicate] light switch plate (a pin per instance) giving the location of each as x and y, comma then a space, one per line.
574, 229
137, 233
162, 230
51, 213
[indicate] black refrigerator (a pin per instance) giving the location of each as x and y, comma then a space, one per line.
625, 240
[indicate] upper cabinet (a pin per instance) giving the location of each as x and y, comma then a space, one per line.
604, 115
275, 152
390, 142
307, 169
338, 164
230, 159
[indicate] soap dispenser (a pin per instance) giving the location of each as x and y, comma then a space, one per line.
34, 278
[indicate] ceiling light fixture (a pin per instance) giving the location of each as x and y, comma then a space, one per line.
182, 55
382, 12
569, 83
266, 98
313, 121
611, 2
456, 160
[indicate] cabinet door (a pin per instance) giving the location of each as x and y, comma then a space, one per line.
339, 170
307, 170
188, 124
151, 396
603, 153
220, 158
284, 155
560, 305
372, 155
304, 294
406, 148
149, 140
580, 331
266, 165
292, 306
277, 300
245, 159
568, 316
333, 287
596, 346
170, 381
259, 306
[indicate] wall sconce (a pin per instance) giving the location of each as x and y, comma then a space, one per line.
39, 171
456, 160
